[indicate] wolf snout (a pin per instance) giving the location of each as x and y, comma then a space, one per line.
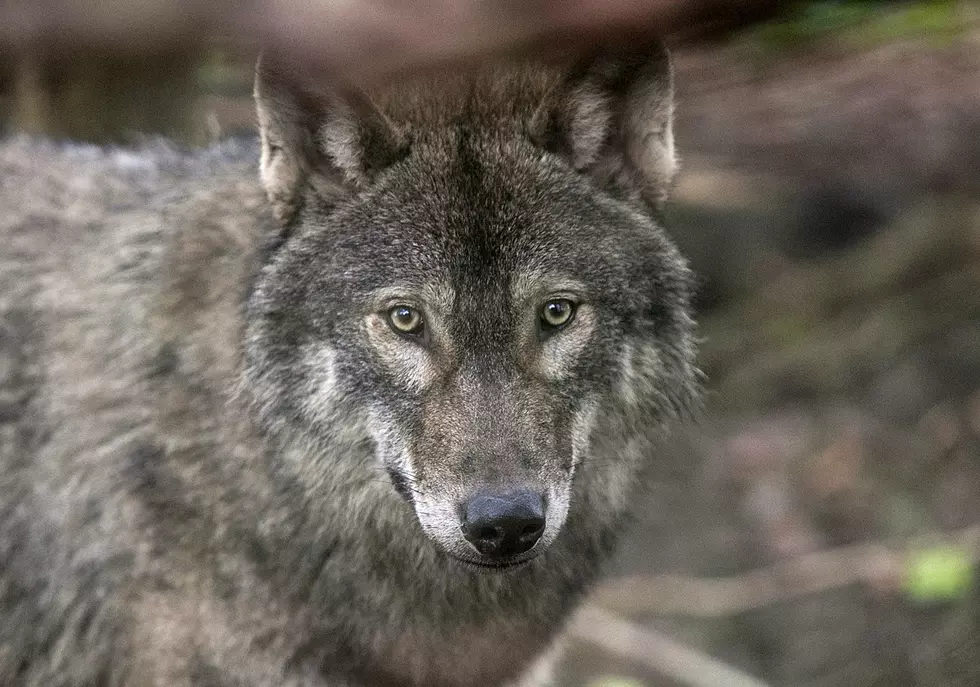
501, 524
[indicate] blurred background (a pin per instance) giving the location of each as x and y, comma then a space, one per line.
821, 524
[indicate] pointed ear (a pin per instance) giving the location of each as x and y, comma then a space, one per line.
322, 138
612, 117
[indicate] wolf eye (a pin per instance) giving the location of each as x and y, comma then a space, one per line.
405, 320
557, 313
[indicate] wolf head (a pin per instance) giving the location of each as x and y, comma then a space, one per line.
472, 273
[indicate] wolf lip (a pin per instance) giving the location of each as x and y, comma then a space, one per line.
484, 566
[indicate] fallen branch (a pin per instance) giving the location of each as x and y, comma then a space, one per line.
675, 595
654, 651
358, 37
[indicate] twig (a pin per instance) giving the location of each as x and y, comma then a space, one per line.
649, 648
789, 579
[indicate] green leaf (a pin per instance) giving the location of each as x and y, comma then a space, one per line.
940, 573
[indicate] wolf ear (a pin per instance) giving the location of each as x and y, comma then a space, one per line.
612, 118
330, 139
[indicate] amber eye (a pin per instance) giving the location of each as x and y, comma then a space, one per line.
557, 313
406, 320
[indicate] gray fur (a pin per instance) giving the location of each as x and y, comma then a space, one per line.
202, 407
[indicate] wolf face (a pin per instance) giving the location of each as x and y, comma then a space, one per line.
472, 270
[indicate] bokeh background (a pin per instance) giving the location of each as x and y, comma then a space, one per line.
820, 525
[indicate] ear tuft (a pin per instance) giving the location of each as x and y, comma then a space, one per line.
612, 117
326, 139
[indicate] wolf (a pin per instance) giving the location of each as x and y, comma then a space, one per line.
363, 403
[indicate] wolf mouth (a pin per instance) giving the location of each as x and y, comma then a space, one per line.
488, 567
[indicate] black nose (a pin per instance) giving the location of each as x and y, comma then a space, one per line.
501, 524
